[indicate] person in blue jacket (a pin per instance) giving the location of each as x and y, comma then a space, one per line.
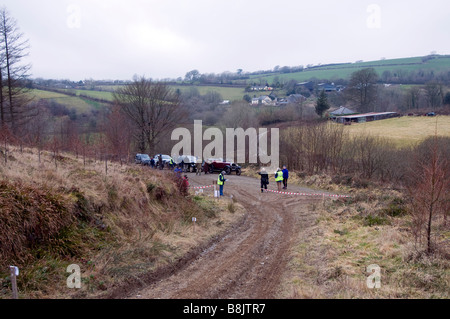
285, 177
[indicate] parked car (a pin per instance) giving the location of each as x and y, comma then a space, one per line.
165, 158
228, 167
190, 162
431, 114
142, 159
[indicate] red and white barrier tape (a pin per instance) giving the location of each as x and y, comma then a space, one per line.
197, 187
286, 193
305, 194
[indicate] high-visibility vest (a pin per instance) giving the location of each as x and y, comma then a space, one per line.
171, 162
219, 182
279, 177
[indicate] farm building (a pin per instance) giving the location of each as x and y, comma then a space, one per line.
366, 117
342, 111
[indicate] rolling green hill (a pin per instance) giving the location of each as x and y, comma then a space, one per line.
331, 72
344, 70
76, 103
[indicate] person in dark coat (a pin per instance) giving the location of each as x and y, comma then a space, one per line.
152, 162
206, 167
285, 177
264, 179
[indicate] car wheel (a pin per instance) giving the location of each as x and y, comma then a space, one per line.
238, 172
228, 170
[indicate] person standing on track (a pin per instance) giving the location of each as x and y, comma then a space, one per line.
206, 167
171, 164
285, 177
221, 181
264, 179
279, 178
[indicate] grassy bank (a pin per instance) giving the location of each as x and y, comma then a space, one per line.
330, 258
340, 238
118, 226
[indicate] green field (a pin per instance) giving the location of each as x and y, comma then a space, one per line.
403, 131
343, 71
71, 102
227, 93
101, 95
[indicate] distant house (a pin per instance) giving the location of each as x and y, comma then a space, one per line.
262, 88
330, 87
257, 88
263, 100
307, 85
295, 98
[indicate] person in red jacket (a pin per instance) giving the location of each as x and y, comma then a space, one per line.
185, 181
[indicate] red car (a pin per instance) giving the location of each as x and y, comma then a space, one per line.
228, 167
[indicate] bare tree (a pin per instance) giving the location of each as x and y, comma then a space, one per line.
153, 108
118, 135
362, 89
429, 190
413, 98
13, 48
434, 94
36, 132
240, 114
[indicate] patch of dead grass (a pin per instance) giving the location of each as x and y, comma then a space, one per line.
331, 255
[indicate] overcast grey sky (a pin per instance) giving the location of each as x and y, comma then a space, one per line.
110, 39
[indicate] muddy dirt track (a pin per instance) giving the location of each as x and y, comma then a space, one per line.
247, 261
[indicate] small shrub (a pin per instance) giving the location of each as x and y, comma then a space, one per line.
160, 193
341, 232
342, 180
396, 208
361, 183
82, 206
301, 175
372, 220
335, 273
112, 194
150, 187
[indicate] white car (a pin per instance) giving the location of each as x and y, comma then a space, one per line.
165, 159
189, 162
186, 159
